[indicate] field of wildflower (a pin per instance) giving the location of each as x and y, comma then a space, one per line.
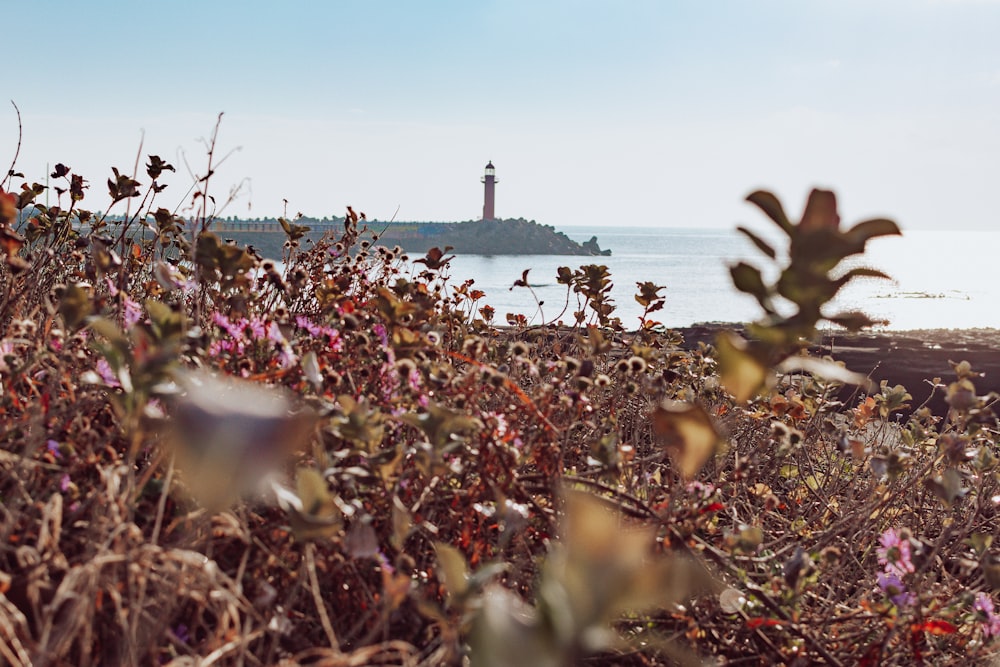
338, 457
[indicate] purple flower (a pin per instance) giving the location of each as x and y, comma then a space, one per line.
895, 589
53, 448
107, 375
379, 330
64, 483
182, 634
894, 554
132, 314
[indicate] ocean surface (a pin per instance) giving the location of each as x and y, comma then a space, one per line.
940, 279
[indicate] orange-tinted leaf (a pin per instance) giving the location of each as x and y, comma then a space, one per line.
935, 626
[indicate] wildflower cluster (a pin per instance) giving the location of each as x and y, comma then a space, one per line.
894, 557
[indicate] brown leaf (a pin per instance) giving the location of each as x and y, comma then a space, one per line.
742, 374
821, 211
688, 433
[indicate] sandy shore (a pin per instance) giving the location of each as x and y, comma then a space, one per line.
908, 358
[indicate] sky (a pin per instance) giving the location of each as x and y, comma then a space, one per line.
618, 112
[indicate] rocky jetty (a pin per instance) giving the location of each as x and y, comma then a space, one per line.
486, 237
472, 237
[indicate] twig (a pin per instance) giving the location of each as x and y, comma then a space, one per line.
324, 618
17, 151
162, 504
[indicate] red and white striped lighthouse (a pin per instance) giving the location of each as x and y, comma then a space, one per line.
489, 192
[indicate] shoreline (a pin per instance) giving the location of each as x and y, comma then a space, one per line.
911, 358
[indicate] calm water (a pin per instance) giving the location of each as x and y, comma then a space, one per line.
942, 279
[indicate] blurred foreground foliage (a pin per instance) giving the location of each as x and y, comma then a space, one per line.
339, 458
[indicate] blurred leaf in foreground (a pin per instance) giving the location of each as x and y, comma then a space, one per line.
597, 571
312, 511
228, 434
688, 433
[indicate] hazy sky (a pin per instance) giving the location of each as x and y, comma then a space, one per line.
614, 112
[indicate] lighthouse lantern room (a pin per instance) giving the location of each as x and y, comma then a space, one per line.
489, 191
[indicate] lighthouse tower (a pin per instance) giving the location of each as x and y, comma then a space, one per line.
489, 192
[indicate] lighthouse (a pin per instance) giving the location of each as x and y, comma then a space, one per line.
489, 191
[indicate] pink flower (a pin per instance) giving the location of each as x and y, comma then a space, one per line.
6, 349
286, 356
64, 483
704, 491
305, 323
317, 330
257, 328
894, 553
414, 380
990, 621
234, 329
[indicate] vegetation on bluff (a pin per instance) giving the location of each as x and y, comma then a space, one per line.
208, 461
480, 237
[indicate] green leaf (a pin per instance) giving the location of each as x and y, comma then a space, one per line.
358, 423
167, 322
316, 515
74, 305
747, 278
441, 425
980, 542
110, 331
508, 633
771, 207
990, 565
453, 569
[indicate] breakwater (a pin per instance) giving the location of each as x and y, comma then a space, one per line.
473, 237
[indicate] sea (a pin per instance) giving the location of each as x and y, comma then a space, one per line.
940, 279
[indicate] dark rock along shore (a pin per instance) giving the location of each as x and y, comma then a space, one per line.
909, 358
